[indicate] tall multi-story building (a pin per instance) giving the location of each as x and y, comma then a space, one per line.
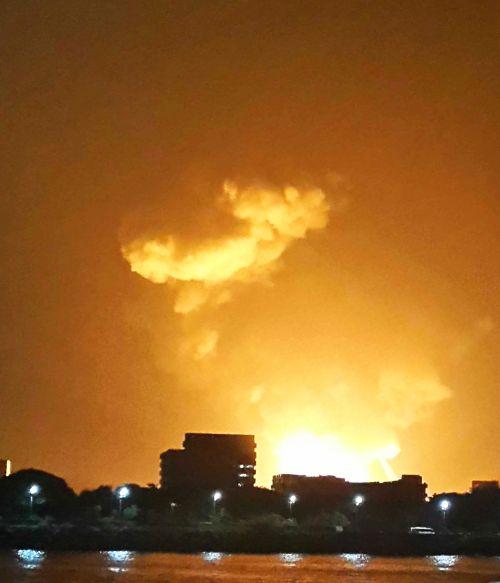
209, 461
5, 468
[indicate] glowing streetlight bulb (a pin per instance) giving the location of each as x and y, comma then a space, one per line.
291, 501
216, 496
358, 500
123, 492
444, 505
34, 489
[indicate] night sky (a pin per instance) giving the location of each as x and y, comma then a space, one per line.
376, 320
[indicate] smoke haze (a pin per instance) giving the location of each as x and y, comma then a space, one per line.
308, 196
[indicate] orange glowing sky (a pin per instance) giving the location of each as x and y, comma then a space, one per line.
279, 218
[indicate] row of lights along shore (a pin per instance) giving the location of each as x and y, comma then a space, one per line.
123, 492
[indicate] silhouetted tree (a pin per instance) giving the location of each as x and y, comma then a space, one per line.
99, 501
55, 497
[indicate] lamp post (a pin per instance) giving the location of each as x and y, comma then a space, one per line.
216, 496
358, 501
292, 499
122, 493
444, 505
33, 491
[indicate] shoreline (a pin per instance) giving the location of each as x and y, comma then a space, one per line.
236, 541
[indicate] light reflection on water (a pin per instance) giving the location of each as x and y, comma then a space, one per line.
444, 562
357, 560
212, 557
290, 559
30, 558
188, 568
119, 560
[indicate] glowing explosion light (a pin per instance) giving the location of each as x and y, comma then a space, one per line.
325, 455
250, 226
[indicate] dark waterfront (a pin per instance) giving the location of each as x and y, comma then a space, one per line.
52, 567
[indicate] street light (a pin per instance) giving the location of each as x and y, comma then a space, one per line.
122, 493
216, 496
358, 501
292, 499
33, 491
444, 505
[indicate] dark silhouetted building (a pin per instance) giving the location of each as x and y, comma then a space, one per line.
209, 461
409, 489
484, 485
310, 485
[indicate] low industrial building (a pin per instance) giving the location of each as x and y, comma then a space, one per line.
481, 485
408, 489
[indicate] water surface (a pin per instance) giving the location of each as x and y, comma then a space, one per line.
126, 566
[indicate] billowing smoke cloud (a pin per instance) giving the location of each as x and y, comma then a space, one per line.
467, 342
407, 399
317, 365
265, 221
200, 344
